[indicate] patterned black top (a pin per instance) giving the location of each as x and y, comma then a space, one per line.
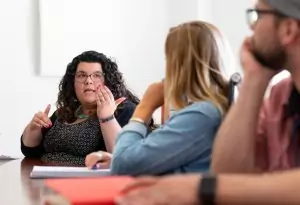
69, 144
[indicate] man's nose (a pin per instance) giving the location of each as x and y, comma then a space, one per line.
252, 26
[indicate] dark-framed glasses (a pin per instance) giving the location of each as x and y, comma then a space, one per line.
253, 15
95, 77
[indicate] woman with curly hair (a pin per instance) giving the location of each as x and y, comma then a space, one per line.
93, 104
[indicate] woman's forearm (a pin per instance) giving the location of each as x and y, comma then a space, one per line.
110, 131
143, 112
31, 137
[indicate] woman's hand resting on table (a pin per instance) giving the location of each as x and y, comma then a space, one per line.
101, 159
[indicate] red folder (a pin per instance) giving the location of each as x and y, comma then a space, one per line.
87, 191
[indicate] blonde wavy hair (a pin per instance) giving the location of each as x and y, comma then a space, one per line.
193, 66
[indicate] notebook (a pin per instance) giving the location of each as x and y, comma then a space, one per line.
66, 172
84, 191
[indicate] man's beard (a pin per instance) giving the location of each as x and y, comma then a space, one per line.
275, 59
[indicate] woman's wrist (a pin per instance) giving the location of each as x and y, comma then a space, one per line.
31, 137
143, 113
106, 119
139, 120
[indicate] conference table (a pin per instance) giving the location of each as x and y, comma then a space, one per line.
16, 187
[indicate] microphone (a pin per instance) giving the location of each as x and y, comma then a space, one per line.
235, 79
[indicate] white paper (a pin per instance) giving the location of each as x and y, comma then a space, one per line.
66, 172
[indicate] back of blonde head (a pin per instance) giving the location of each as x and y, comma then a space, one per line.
193, 67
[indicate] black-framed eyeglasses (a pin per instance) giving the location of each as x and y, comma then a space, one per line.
95, 77
253, 15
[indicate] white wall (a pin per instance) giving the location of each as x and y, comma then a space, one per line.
230, 17
23, 92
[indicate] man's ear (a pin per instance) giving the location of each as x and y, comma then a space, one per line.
289, 31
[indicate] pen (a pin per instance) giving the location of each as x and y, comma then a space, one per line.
96, 166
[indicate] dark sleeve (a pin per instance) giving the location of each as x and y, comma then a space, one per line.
36, 152
124, 112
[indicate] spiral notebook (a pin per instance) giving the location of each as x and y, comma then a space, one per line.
66, 172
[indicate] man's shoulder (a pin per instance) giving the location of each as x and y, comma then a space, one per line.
273, 106
280, 92
286, 82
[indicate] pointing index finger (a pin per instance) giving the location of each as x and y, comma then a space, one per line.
47, 110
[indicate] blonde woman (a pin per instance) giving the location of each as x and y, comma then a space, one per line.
197, 93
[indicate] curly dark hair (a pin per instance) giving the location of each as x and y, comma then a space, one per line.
68, 103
